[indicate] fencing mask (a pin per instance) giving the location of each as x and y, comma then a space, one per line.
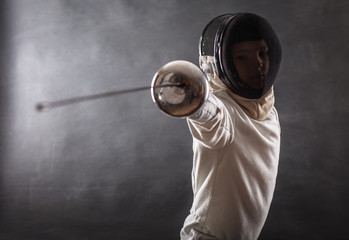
231, 39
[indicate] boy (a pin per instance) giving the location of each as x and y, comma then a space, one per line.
236, 134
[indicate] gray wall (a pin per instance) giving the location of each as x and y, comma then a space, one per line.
118, 168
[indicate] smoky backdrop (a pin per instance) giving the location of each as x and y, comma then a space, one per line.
117, 168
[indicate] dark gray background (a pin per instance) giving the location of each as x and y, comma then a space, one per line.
118, 168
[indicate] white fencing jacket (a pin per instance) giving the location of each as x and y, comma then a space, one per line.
234, 171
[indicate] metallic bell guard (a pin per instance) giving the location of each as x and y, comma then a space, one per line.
183, 100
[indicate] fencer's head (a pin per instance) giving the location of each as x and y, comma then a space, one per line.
251, 62
246, 51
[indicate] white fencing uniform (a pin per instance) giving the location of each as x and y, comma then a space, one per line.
234, 170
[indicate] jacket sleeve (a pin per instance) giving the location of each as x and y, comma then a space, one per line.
213, 125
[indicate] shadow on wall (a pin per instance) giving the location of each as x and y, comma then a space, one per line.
4, 91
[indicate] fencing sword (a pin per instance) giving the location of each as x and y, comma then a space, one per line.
45, 106
179, 89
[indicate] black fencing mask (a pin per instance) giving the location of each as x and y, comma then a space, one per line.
224, 33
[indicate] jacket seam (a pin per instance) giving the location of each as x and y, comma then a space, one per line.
213, 189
